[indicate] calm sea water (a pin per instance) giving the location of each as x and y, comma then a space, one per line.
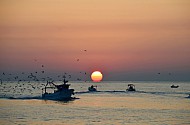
153, 103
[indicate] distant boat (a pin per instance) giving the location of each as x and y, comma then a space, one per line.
60, 92
92, 88
174, 86
131, 87
188, 96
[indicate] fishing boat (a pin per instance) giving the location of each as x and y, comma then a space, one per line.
92, 88
174, 86
131, 87
57, 92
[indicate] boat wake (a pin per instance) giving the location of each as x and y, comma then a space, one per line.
163, 93
90, 92
173, 94
22, 98
39, 97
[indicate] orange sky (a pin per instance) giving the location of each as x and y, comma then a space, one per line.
125, 39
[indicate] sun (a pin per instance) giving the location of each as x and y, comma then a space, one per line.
96, 76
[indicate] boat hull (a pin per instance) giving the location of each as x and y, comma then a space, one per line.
59, 95
131, 90
174, 86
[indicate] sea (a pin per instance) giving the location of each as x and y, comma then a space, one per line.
153, 103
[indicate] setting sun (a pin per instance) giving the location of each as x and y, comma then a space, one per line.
96, 76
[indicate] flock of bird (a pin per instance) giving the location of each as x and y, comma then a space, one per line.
34, 76
36, 80
19, 88
33, 80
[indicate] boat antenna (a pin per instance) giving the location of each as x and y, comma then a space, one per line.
65, 81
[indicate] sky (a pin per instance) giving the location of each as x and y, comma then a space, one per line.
124, 39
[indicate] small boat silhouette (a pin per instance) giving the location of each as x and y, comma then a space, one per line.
92, 88
131, 87
174, 86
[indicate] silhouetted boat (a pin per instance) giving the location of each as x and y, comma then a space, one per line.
92, 88
60, 92
188, 96
173, 86
131, 87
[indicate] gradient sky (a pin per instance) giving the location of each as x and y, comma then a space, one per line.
124, 39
